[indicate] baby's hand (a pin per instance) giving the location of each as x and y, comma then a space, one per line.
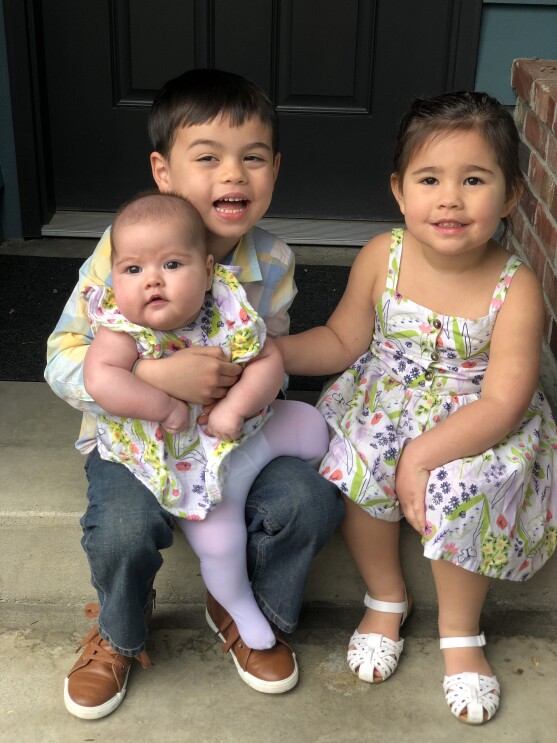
224, 423
178, 418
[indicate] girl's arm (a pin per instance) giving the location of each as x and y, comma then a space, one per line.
507, 390
335, 346
109, 381
259, 385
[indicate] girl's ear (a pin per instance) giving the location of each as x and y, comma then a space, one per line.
160, 171
513, 200
396, 188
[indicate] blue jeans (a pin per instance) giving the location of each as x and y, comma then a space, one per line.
291, 512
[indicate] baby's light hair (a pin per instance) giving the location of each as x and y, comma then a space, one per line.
154, 205
461, 111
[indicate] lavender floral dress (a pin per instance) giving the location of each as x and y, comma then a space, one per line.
493, 513
184, 471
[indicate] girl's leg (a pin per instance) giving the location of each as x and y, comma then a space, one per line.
220, 540
461, 595
374, 545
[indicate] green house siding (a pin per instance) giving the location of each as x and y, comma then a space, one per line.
510, 30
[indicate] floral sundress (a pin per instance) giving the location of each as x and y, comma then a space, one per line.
184, 471
493, 513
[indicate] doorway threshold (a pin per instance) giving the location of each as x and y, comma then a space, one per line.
317, 232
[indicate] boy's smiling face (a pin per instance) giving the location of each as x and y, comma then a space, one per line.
227, 172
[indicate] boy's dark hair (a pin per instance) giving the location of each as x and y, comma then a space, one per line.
153, 204
198, 97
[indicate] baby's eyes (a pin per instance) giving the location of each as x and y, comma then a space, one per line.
171, 265
133, 269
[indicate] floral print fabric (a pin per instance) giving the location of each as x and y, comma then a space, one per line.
492, 513
184, 471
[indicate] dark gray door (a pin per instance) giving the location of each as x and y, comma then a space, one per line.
340, 73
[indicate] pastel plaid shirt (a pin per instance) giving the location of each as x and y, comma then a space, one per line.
265, 267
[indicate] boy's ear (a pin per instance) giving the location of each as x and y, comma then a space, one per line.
396, 188
159, 169
276, 165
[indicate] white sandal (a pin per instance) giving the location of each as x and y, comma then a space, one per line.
372, 651
472, 698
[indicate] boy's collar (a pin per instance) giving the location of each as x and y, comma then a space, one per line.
245, 257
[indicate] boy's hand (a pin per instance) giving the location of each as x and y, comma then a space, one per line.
200, 375
410, 486
224, 423
178, 418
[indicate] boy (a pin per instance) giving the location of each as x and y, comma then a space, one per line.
215, 140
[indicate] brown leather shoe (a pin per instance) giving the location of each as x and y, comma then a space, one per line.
271, 671
96, 684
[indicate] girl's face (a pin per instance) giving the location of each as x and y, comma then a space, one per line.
452, 194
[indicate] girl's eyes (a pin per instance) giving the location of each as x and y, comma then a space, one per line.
430, 181
473, 181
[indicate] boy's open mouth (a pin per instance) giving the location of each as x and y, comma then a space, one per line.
231, 205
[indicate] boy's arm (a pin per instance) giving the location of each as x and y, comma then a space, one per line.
68, 343
109, 381
259, 385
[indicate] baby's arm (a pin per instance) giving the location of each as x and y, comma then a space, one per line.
335, 346
109, 381
507, 390
258, 386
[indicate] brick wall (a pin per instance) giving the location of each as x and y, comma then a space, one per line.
535, 221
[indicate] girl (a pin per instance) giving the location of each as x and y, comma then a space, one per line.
168, 295
440, 418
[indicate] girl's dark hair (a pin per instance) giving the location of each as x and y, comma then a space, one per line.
198, 97
461, 111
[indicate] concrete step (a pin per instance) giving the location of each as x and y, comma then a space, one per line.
43, 498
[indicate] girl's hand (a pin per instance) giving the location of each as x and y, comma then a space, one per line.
178, 418
410, 487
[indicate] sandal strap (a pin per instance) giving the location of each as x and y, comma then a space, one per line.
474, 641
388, 607
371, 651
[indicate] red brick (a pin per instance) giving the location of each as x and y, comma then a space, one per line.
553, 205
526, 71
528, 203
553, 338
550, 288
546, 230
545, 97
536, 133
552, 153
540, 179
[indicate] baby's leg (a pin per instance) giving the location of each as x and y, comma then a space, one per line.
294, 429
220, 543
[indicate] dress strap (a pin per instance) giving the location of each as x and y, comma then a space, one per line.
509, 270
395, 255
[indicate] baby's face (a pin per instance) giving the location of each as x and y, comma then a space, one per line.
160, 273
